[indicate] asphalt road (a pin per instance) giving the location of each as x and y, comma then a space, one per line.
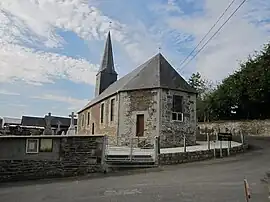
219, 180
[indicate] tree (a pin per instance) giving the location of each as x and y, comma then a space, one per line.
197, 82
246, 93
203, 87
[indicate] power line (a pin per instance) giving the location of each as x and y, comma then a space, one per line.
214, 34
208, 32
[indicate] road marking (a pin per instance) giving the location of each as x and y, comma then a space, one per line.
121, 192
144, 184
230, 184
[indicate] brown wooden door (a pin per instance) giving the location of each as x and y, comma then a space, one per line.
140, 125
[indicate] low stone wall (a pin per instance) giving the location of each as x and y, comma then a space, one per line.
70, 156
236, 137
178, 158
252, 127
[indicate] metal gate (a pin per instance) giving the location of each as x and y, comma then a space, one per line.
138, 152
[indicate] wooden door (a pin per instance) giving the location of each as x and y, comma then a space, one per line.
140, 125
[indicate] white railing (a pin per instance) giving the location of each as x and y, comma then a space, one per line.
136, 149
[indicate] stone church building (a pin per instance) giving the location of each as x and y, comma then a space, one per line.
152, 100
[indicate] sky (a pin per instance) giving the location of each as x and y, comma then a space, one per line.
50, 50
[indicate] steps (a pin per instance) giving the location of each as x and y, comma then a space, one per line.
120, 156
126, 161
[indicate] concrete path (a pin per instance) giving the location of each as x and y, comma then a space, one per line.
136, 151
201, 147
219, 180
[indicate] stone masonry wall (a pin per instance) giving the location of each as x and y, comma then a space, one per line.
253, 127
172, 132
133, 103
178, 158
108, 127
77, 156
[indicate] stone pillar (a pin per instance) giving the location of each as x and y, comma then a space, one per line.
157, 149
104, 154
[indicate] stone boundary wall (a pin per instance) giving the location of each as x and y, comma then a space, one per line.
178, 158
77, 156
236, 136
248, 127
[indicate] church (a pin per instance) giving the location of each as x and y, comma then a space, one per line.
152, 100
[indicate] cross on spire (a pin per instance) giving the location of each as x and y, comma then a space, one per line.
159, 47
110, 25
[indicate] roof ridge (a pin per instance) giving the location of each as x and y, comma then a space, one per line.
159, 68
10, 117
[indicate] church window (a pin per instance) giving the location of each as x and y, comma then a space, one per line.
112, 109
102, 113
88, 118
93, 128
82, 119
177, 108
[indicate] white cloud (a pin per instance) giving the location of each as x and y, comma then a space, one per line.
5, 92
41, 17
20, 63
22, 21
74, 104
239, 37
35, 22
170, 6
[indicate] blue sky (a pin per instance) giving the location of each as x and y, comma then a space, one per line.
51, 49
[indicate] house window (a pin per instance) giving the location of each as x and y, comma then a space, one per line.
102, 113
177, 108
88, 118
112, 109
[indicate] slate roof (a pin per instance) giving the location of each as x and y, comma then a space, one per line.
33, 121
40, 121
155, 73
9, 120
107, 63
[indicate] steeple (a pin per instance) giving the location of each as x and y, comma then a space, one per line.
106, 74
107, 60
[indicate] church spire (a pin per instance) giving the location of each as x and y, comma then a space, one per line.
107, 63
106, 74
